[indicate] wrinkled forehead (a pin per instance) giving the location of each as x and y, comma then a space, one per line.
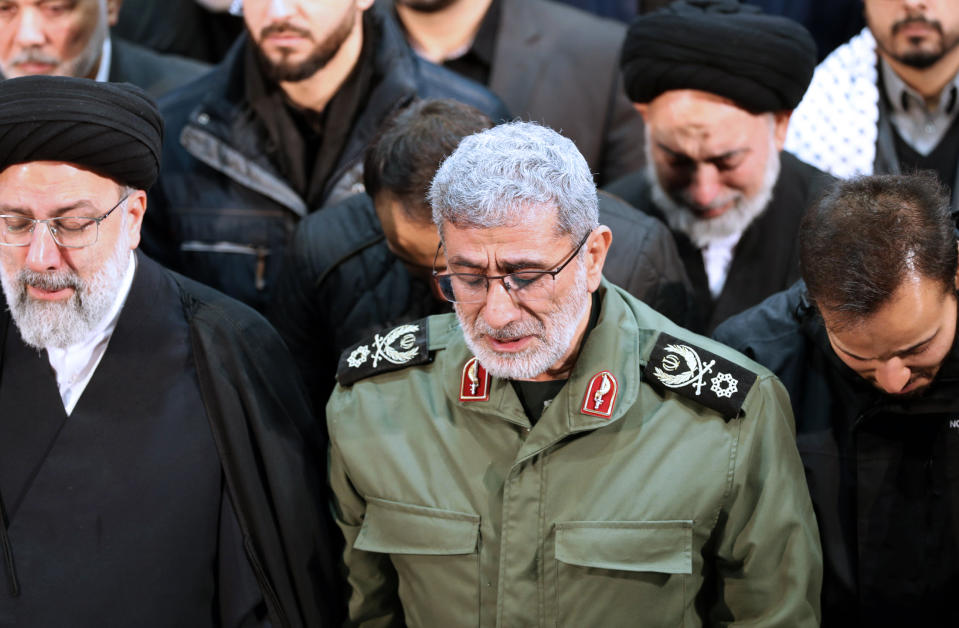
697, 113
539, 218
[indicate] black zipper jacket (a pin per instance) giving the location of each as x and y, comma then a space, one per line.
221, 212
883, 472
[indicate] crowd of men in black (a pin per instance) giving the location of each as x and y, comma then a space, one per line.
163, 448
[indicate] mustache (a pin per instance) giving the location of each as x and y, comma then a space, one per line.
284, 28
49, 281
34, 55
916, 19
686, 199
516, 329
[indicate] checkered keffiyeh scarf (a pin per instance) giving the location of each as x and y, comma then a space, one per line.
836, 125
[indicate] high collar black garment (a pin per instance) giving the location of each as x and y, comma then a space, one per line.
477, 62
882, 474
306, 145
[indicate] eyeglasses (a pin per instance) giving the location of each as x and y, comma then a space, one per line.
72, 232
527, 285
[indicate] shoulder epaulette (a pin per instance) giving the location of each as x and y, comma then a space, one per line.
394, 349
693, 372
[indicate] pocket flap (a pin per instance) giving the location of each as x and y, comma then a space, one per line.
658, 546
395, 528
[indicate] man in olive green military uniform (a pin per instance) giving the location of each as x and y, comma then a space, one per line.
556, 453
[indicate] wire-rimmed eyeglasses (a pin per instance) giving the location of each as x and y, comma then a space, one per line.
526, 285
72, 232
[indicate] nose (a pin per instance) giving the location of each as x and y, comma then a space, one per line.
280, 9
43, 253
705, 186
29, 31
500, 310
893, 375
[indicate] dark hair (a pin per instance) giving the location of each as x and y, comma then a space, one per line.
865, 236
410, 146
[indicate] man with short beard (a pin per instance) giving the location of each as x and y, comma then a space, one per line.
72, 38
867, 349
887, 100
555, 452
157, 463
277, 131
716, 117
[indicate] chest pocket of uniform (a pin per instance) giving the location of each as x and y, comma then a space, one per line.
435, 553
621, 566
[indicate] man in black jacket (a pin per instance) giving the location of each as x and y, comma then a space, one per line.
716, 117
365, 264
278, 130
867, 349
158, 465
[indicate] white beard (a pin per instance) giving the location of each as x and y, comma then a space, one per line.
735, 220
552, 339
61, 324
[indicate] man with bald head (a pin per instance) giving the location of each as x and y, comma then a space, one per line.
145, 418
716, 124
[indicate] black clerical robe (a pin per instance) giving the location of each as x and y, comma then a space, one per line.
185, 487
766, 258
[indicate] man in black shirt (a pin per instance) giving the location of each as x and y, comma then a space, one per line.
548, 62
867, 349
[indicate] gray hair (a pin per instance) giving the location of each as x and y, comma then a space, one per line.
500, 176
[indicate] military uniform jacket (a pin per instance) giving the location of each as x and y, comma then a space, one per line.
653, 509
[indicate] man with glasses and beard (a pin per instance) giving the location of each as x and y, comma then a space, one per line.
157, 463
867, 349
715, 82
887, 100
555, 452
278, 130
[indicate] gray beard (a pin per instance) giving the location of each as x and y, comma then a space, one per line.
44, 324
735, 220
549, 346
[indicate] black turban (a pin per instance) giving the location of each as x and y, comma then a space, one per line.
113, 129
762, 62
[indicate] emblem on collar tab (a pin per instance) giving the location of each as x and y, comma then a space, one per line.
600, 397
702, 376
475, 383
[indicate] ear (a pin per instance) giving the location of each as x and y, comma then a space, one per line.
597, 246
642, 108
781, 126
113, 11
136, 207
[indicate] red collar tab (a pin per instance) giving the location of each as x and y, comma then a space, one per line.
475, 384
600, 395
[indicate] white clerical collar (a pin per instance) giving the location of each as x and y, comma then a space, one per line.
75, 364
103, 72
717, 258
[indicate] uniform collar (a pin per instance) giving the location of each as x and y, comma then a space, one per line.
603, 350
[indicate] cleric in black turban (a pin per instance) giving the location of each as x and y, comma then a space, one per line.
761, 62
113, 129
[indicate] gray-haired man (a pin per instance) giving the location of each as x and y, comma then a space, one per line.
521, 470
